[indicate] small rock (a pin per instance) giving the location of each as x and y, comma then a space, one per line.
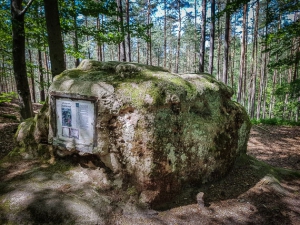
200, 199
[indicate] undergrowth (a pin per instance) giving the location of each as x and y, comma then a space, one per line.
275, 121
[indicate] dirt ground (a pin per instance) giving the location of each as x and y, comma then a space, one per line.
262, 188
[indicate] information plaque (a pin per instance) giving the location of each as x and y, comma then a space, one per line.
75, 124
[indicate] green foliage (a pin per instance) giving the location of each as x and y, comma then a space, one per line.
275, 121
7, 97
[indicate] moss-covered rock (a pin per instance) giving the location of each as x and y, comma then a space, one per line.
161, 130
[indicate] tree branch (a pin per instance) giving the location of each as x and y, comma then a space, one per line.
26, 7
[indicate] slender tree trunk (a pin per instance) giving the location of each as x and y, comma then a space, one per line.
75, 39
42, 89
149, 44
100, 53
123, 44
203, 34
138, 51
219, 45
178, 37
255, 61
212, 37
55, 41
260, 93
195, 37
165, 33
128, 32
232, 51
265, 84
87, 39
18, 52
32, 77
242, 59
226, 46
47, 70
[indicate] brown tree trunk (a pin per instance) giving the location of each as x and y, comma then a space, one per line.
18, 52
212, 37
254, 64
226, 46
195, 37
42, 88
178, 38
122, 44
149, 44
55, 41
128, 32
75, 40
165, 33
203, 34
219, 45
87, 39
47, 70
242, 59
32, 77
99, 45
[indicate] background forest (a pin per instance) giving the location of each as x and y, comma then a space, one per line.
252, 46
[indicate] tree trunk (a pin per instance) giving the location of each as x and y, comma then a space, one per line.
226, 46
87, 39
232, 51
18, 52
203, 34
149, 44
75, 40
42, 88
99, 45
32, 77
165, 33
178, 38
138, 51
128, 32
212, 37
56, 46
219, 45
122, 45
47, 70
254, 64
195, 37
242, 59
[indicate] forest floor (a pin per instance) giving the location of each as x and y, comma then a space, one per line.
262, 188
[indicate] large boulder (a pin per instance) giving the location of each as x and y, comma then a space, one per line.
157, 129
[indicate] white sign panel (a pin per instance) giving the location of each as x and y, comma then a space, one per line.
75, 123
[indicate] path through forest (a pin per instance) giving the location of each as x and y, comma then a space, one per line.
252, 193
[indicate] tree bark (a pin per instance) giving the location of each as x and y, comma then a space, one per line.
226, 46
254, 64
42, 85
165, 33
149, 44
219, 45
75, 39
18, 52
212, 37
55, 41
178, 38
128, 32
242, 59
203, 34
32, 77
122, 44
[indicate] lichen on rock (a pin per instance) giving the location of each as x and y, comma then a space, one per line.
155, 129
